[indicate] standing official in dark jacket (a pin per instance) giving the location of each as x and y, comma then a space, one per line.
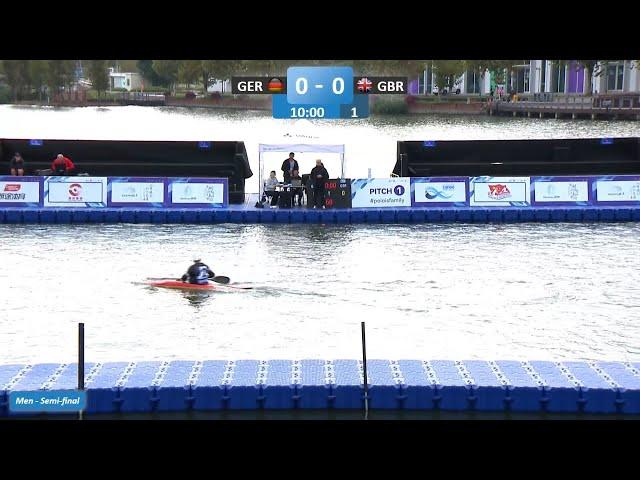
319, 175
288, 166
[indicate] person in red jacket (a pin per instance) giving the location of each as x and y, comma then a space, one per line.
62, 166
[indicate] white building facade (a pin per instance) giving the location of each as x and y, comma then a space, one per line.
130, 81
542, 76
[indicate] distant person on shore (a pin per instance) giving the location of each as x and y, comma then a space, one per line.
17, 165
288, 166
63, 166
319, 175
270, 188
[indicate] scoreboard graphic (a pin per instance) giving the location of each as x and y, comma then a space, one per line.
320, 92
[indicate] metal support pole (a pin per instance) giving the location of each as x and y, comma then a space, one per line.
80, 361
364, 365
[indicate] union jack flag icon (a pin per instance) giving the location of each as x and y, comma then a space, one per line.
364, 85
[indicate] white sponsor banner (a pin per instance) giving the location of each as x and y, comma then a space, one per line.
381, 192
438, 192
618, 190
561, 191
75, 192
19, 192
197, 192
499, 191
137, 192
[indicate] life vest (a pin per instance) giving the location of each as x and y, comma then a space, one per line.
202, 277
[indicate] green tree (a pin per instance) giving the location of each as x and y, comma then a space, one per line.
24, 72
60, 74
145, 67
98, 72
12, 74
18, 76
408, 68
39, 73
447, 72
169, 70
224, 69
189, 71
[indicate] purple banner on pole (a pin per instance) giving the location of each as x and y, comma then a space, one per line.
197, 192
437, 192
561, 191
22, 192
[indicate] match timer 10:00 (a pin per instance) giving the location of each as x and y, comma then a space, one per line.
320, 92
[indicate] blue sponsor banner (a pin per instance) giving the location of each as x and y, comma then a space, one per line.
117, 192
440, 192
137, 192
197, 193
561, 191
36, 401
616, 190
22, 192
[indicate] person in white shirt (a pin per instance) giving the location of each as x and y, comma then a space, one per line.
270, 188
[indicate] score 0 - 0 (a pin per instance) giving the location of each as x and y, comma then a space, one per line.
323, 92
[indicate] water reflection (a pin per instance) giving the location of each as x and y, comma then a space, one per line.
197, 299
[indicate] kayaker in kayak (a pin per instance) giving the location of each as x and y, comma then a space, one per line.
198, 273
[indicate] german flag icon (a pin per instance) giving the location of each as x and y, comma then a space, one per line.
275, 86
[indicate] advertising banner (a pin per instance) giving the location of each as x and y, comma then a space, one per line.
134, 191
617, 190
439, 191
499, 192
381, 192
75, 192
20, 192
556, 191
197, 192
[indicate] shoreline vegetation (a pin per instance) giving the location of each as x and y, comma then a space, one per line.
206, 83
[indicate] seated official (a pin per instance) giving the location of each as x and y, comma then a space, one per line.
16, 166
270, 188
298, 191
63, 166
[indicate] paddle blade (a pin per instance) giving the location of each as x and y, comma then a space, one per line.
221, 279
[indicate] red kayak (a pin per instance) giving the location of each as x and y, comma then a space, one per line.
179, 285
